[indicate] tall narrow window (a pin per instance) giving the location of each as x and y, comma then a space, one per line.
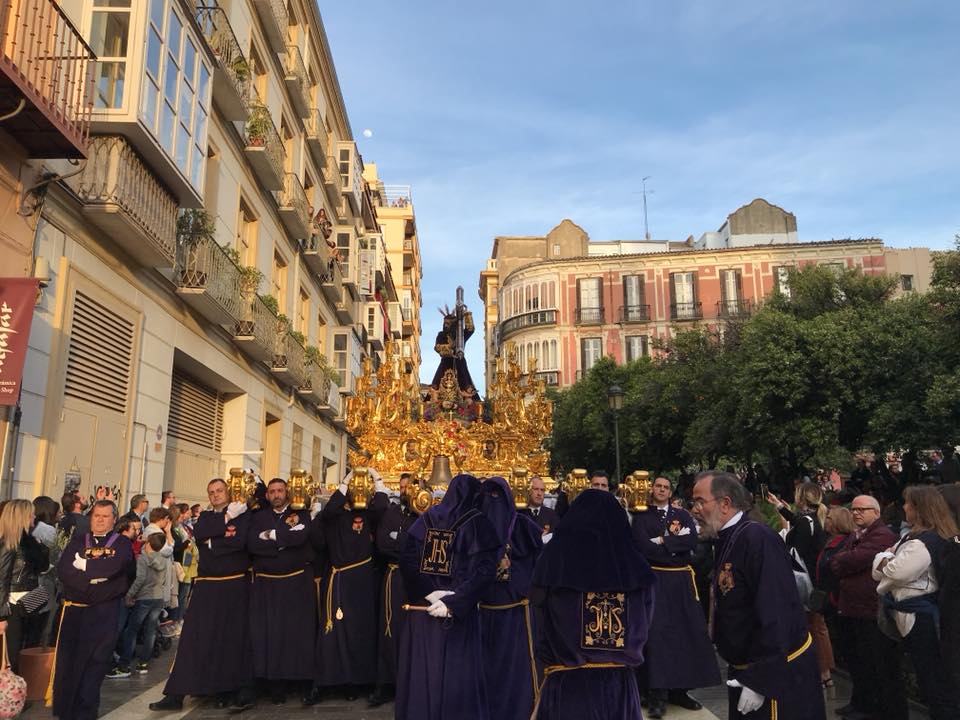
340, 354
247, 235
279, 282
730, 293
109, 32
634, 308
343, 248
591, 350
303, 313
683, 296
781, 280
636, 347
590, 300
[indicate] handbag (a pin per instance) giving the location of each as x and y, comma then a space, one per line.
817, 601
801, 577
13, 688
34, 600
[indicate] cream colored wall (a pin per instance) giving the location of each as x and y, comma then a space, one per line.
910, 261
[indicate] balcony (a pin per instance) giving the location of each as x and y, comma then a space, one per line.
736, 308
350, 169
530, 319
329, 406
316, 385
395, 196
294, 208
550, 377
343, 308
264, 149
123, 198
375, 325
273, 17
331, 282
231, 76
634, 313
686, 311
256, 331
395, 314
297, 80
317, 137
289, 364
44, 70
208, 280
316, 254
588, 316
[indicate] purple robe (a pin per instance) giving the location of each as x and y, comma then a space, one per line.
396, 519
283, 616
89, 625
759, 626
214, 653
679, 654
440, 670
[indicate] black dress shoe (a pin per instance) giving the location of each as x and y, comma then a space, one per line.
170, 703
239, 705
313, 697
657, 708
681, 698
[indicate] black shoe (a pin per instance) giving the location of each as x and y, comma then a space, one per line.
657, 709
239, 705
682, 698
314, 696
377, 698
168, 704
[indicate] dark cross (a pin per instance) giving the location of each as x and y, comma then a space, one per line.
460, 312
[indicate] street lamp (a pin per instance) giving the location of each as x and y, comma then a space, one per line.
615, 398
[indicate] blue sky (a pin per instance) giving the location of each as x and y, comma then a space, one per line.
506, 118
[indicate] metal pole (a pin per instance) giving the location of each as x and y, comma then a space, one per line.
616, 437
646, 229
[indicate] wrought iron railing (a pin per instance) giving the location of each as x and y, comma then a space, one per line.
295, 67
293, 196
686, 311
202, 264
316, 128
257, 322
634, 313
49, 61
219, 34
278, 9
530, 319
261, 132
290, 356
737, 307
395, 196
114, 175
588, 316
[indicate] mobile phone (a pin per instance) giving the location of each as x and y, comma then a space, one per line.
764, 490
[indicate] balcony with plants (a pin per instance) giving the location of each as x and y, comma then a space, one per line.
256, 331
317, 250
124, 199
331, 280
297, 80
319, 376
209, 278
231, 76
289, 363
273, 18
264, 148
294, 207
330, 406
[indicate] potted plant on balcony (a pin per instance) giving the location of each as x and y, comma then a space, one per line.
271, 302
259, 126
298, 336
240, 68
193, 226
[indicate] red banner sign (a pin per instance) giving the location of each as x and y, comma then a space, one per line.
17, 299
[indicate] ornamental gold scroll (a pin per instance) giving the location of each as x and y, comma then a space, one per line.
386, 418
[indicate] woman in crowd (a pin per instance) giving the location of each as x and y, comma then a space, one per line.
22, 560
806, 536
46, 510
838, 527
908, 586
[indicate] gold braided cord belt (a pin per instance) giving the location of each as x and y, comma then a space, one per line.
791, 657
334, 571
48, 695
388, 598
525, 604
682, 568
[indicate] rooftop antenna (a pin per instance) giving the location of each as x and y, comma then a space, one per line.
646, 228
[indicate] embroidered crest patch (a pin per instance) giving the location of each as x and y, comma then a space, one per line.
503, 569
602, 616
93, 553
436, 558
725, 579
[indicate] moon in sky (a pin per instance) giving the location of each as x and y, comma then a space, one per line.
368, 133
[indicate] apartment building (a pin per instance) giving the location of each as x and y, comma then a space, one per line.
217, 271
398, 225
566, 302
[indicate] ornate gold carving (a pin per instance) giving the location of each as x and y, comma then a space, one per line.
635, 490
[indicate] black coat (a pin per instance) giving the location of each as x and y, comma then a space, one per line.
20, 569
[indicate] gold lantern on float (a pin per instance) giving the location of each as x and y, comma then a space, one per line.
635, 490
242, 485
519, 482
360, 488
300, 488
576, 482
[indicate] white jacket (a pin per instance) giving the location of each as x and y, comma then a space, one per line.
909, 573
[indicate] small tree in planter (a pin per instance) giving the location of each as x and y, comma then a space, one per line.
193, 225
259, 126
299, 337
271, 302
240, 68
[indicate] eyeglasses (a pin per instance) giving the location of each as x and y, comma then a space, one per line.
698, 503
862, 509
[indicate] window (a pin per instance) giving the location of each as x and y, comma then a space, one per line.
288, 145
683, 295
321, 333
591, 350
303, 313
175, 102
556, 248
247, 235
590, 300
278, 282
109, 31
636, 347
340, 354
259, 71
781, 280
731, 292
906, 283
371, 319
634, 308
316, 460
343, 246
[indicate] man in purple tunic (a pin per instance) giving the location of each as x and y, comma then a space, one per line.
95, 570
758, 622
283, 610
679, 655
593, 591
506, 626
448, 561
214, 655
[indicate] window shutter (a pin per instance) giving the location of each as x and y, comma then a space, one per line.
673, 293
583, 356
100, 358
696, 290
641, 291
723, 287
739, 283
196, 412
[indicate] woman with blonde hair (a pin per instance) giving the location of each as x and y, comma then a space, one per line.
22, 560
908, 577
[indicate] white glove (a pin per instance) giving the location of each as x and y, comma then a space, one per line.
437, 594
375, 475
393, 535
657, 540
749, 700
298, 526
235, 509
438, 610
546, 537
685, 531
81, 563
268, 535
379, 487
342, 487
